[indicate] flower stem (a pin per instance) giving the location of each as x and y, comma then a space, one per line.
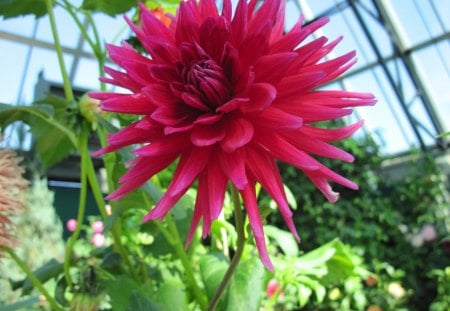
81, 207
182, 255
67, 86
34, 280
239, 220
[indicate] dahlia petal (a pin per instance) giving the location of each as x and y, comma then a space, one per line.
138, 72
329, 135
169, 145
200, 202
208, 8
164, 73
125, 53
159, 94
130, 104
152, 26
297, 84
193, 101
217, 184
249, 197
232, 104
239, 133
160, 50
233, 165
260, 38
163, 206
324, 187
265, 13
318, 147
214, 33
266, 172
171, 116
187, 29
261, 96
333, 176
283, 150
296, 35
239, 23
208, 118
139, 174
168, 130
278, 27
272, 68
277, 119
226, 10
316, 113
304, 53
121, 79
202, 136
191, 164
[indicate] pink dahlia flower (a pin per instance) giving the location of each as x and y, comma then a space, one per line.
228, 95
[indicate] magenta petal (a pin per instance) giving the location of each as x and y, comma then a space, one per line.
239, 132
329, 135
261, 96
272, 68
266, 173
191, 164
207, 135
277, 119
217, 184
200, 202
251, 206
233, 165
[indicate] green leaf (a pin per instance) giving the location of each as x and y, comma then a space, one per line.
49, 270
139, 302
212, 270
169, 6
120, 290
110, 7
15, 8
171, 295
304, 293
246, 286
27, 114
285, 240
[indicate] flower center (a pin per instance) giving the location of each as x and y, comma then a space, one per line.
206, 79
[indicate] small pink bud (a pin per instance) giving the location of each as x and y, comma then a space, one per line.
98, 240
71, 225
97, 226
272, 288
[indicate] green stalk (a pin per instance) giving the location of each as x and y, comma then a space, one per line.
98, 196
81, 207
239, 220
182, 255
67, 86
34, 280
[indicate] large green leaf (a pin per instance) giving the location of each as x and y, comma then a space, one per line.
171, 295
246, 286
212, 270
139, 302
284, 239
54, 140
110, 7
14, 8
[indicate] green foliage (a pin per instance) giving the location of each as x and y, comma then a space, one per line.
380, 221
110, 7
442, 301
15, 8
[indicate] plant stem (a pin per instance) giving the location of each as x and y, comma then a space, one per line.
239, 220
98, 196
182, 255
67, 86
81, 206
53, 303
